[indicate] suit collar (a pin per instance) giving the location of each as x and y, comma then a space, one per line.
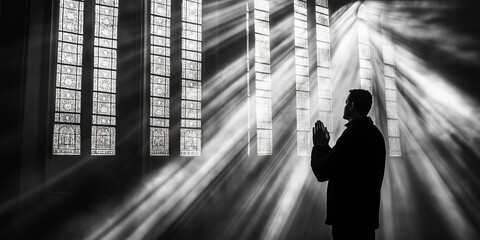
359, 120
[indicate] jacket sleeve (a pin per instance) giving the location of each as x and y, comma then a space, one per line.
325, 160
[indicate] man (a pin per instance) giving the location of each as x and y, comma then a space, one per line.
354, 169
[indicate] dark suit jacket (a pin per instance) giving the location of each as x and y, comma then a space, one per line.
354, 169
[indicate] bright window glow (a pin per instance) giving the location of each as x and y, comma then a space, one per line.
262, 77
160, 20
366, 70
391, 95
104, 77
324, 104
190, 132
301, 76
68, 84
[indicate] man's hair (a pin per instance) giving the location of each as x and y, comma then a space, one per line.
362, 100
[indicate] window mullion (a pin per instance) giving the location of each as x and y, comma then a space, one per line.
87, 78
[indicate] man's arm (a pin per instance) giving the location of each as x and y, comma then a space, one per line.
321, 166
324, 159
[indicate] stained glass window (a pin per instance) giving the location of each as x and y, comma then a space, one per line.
366, 70
322, 23
301, 76
104, 77
262, 76
68, 84
391, 94
190, 131
160, 20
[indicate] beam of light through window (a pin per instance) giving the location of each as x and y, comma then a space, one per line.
322, 23
160, 20
301, 76
190, 131
104, 77
68, 84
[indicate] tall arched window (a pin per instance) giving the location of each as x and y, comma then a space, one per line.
85, 112
366, 70
390, 94
70, 78
301, 78
322, 25
190, 131
68, 82
104, 77
259, 83
160, 20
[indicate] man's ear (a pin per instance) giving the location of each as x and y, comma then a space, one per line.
352, 106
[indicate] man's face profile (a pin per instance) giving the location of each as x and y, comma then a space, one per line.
347, 109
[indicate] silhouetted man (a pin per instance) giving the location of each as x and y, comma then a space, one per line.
354, 169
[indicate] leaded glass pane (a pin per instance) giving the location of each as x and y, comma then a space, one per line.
190, 142
67, 117
264, 142
302, 83
392, 110
388, 57
323, 3
66, 139
264, 113
303, 120
390, 95
103, 140
324, 84
363, 32
366, 73
159, 108
322, 19
261, 15
324, 104
365, 63
393, 128
365, 83
326, 118
390, 83
262, 5
323, 72
323, 33
263, 68
66, 129
322, 10
394, 145
303, 101
389, 71
364, 51
158, 141
262, 27
303, 143
323, 57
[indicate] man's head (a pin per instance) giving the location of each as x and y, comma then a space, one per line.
358, 103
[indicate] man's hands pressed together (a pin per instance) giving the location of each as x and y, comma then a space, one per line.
321, 137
